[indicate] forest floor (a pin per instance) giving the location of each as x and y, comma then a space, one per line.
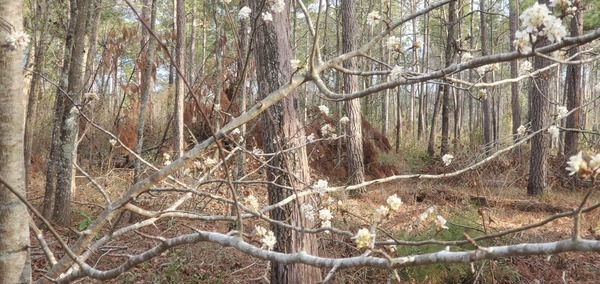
488, 200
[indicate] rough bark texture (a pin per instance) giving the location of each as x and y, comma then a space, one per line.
436, 111
14, 224
69, 126
281, 124
485, 102
354, 149
178, 143
59, 105
573, 88
537, 108
40, 39
514, 72
448, 56
149, 15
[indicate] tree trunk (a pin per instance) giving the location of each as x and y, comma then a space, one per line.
538, 92
15, 265
65, 179
40, 39
436, 111
514, 72
485, 101
354, 146
448, 56
59, 105
280, 123
147, 84
573, 88
178, 143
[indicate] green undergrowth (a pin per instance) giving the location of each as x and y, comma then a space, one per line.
461, 222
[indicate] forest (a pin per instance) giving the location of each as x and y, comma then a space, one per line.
299, 141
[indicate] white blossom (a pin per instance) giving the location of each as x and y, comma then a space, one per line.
373, 18
74, 111
261, 231
533, 17
296, 64
537, 20
308, 210
466, 56
244, 13
554, 30
326, 223
320, 185
325, 215
522, 41
525, 67
198, 165
311, 138
595, 162
383, 211
236, 134
269, 240
447, 159
440, 222
17, 40
327, 130
576, 163
561, 111
267, 17
252, 202
257, 151
324, 109
344, 120
481, 70
279, 6
210, 162
394, 202
166, 156
521, 130
417, 44
393, 43
554, 131
303, 139
112, 142
396, 72
362, 238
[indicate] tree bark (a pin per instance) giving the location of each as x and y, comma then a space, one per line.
436, 111
538, 92
485, 101
147, 82
178, 143
514, 72
65, 179
573, 88
448, 57
59, 105
40, 40
354, 146
15, 266
273, 52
